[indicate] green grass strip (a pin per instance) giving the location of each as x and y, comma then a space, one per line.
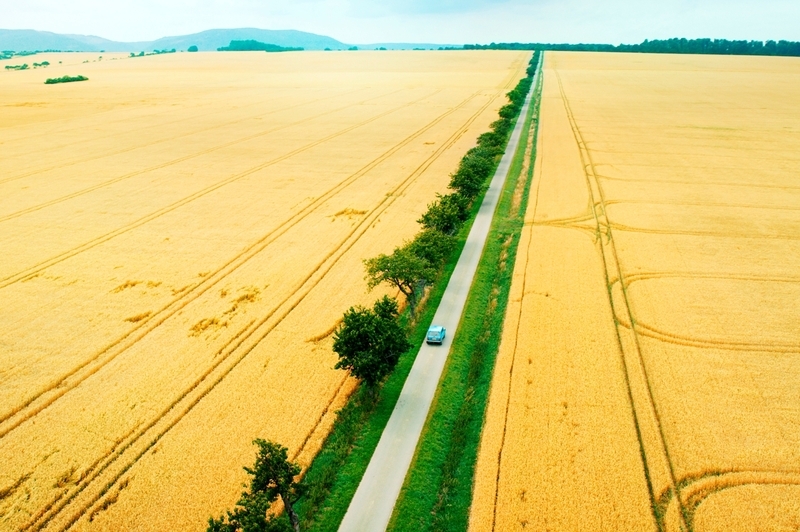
337, 470
437, 493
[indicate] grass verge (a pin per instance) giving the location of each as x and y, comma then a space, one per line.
336, 471
438, 490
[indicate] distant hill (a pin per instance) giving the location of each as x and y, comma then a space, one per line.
30, 40
212, 39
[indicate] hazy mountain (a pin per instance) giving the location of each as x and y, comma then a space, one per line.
30, 40
210, 40
213, 39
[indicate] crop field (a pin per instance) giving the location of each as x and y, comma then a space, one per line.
180, 235
649, 371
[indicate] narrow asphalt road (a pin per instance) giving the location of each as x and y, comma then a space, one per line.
374, 500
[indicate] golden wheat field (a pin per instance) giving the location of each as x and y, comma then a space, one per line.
180, 235
649, 372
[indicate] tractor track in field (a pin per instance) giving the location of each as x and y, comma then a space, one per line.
29, 138
229, 357
127, 120
161, 141
698, 487
654, 332
172, 162
695, 183
27, 409
32, 270
613, 269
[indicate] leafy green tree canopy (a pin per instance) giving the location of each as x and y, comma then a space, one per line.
472, 172
446, 214
369, 342
403, 269
433, 246
273, 476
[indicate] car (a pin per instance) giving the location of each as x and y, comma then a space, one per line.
435, 334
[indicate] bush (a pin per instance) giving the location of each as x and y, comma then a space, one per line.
65, 79
192, 48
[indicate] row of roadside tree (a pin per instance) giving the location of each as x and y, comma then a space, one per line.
370, 341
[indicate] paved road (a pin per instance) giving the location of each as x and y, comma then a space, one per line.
373, 503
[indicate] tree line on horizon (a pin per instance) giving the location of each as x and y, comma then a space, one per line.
256, 46
661, 46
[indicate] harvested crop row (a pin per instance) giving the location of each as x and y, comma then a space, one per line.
647, 376
169, 298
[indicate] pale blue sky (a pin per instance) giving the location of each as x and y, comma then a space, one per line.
442, 21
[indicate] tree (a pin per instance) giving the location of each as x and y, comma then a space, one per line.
433, 246
446, 214
369, 342
273, 476
192, 48
402, 269
472, 172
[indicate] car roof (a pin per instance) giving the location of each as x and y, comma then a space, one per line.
435, 328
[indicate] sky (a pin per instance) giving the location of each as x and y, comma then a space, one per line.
423, 21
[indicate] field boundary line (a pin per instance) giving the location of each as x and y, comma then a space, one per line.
695, 183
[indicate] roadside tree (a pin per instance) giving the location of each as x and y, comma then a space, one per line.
446, 214
402, 269
369, 342
273, 476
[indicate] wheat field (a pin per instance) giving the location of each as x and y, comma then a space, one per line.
649, 372
180, 235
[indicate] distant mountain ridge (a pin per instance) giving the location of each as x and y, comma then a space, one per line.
209, 40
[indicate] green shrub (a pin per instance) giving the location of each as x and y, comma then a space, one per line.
192, 48
65, 79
